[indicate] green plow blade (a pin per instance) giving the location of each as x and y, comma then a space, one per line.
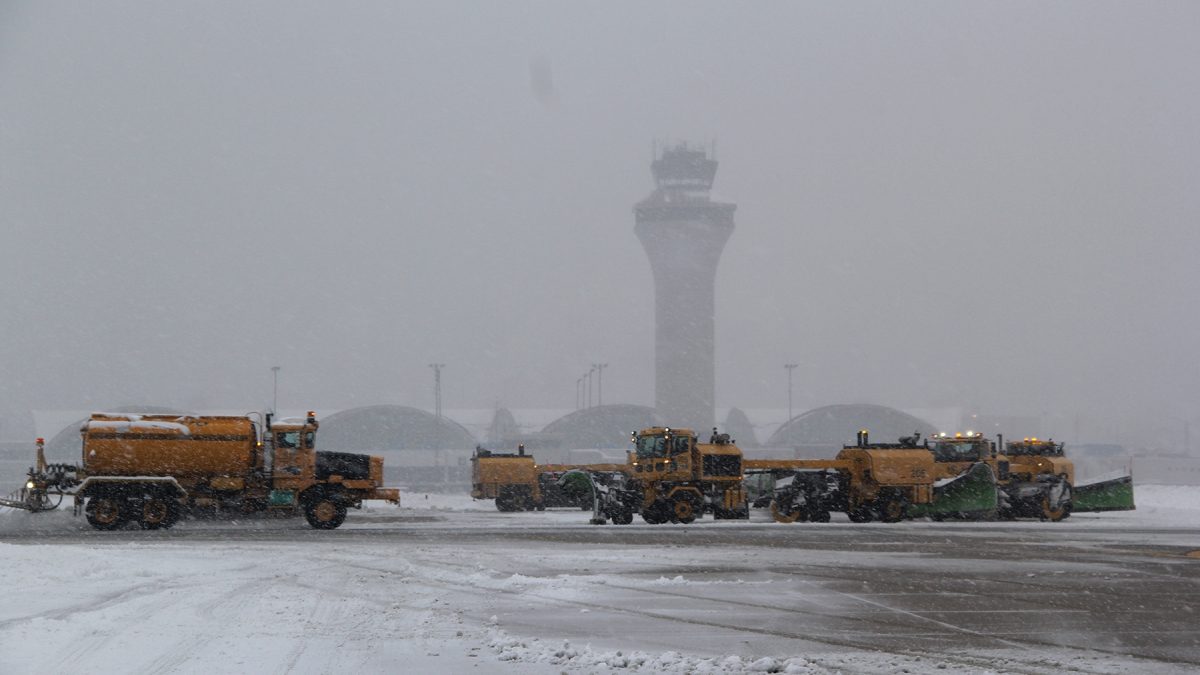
1115, 494
576, 485
971, 495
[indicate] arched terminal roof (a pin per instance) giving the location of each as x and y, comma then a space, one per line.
832, 426
602, 426
391, 427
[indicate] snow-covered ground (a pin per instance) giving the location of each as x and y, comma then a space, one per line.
447, 584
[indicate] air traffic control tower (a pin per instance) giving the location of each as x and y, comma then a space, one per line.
684, 232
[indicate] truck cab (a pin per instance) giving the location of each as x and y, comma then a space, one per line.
291, 452
953, 454
680, 477
1030, 457
663, 454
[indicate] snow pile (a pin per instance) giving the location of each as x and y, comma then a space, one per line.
534, 650
678, 580
568, 657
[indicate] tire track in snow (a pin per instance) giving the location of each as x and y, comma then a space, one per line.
1037, 664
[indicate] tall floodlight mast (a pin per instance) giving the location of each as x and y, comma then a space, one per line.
275, 389
437, 389
790, 367
683, 232
599, 382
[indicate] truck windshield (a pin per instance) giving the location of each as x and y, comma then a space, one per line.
661, 446
287, 439
651, 446
1035, 449
956, 452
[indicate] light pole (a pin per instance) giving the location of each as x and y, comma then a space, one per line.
437, 389
578, 393
275, 389
790, 367
599, 367
588, 375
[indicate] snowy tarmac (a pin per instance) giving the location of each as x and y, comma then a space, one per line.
444, 584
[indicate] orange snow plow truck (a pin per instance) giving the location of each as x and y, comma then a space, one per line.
151, 469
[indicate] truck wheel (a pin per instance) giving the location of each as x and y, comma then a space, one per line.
324, 513
683, 510
892, 509
104, 513
787, 512
158, 513
860, 514
657, 513
622, 517
1056, 501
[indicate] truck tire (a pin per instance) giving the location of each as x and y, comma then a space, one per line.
1056, 501
508, 500
892, 508
622, 517
158, 512
104, 513
860, 514
323, 513
684, 509
657, 513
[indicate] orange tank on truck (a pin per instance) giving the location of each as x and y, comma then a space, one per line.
192, 450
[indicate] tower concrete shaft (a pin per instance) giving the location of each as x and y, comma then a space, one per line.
683, 233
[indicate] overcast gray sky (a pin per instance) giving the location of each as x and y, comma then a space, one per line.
985, 205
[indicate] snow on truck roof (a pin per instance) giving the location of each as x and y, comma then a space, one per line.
121, 426
127, 422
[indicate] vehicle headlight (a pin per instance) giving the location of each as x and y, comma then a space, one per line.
29, 485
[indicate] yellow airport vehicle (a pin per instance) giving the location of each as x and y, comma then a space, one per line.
152, 469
